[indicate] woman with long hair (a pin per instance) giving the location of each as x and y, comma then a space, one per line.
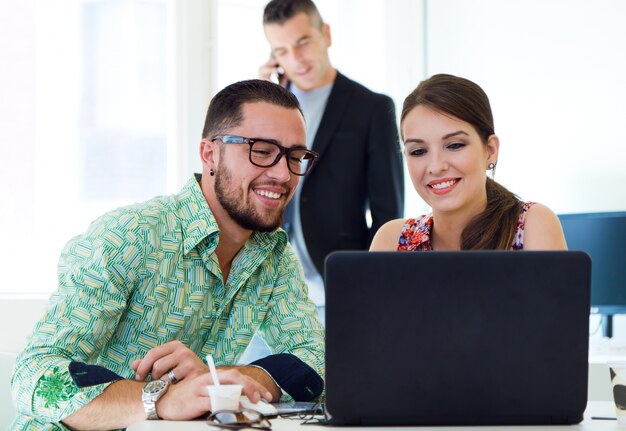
450, 145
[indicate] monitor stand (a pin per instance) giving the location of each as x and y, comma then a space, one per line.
607, 325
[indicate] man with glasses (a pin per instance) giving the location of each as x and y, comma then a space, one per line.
151, 289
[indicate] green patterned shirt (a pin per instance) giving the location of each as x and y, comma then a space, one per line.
147, 274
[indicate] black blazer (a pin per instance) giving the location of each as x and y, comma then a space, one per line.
359, 168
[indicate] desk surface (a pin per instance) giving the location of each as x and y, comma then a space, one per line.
594, 408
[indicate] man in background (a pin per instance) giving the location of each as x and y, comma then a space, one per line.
351, 128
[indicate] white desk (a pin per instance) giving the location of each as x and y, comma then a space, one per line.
594, 408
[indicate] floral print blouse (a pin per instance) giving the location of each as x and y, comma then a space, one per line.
415, 234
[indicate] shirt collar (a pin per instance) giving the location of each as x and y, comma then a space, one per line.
197, 221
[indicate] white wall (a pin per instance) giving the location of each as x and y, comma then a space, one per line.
554, 71
17, 319
62, 110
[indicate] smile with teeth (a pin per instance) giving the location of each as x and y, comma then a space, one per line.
268, 194
444, 184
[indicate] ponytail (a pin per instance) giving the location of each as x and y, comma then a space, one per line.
494, 228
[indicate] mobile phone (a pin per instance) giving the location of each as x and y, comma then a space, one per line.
279, 77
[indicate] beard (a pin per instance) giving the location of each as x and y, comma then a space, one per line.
246, 216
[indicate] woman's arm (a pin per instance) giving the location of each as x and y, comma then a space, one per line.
543, 230
387, 237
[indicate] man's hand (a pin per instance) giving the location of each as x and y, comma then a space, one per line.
184, 364
120, 404
190, 398
261, 377
173, 356
271, 71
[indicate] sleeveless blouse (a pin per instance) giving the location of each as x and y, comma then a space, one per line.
415, 234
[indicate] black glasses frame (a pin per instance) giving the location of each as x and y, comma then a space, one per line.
242, 419
282, 151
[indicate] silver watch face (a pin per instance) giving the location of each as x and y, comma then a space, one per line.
154, 386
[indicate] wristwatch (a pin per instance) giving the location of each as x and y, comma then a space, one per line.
152, 391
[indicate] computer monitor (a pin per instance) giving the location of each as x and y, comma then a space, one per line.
603, 237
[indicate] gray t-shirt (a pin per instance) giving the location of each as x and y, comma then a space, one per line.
313, 104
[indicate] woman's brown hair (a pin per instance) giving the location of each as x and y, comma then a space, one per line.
494, 228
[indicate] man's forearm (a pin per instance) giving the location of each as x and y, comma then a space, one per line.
117, 407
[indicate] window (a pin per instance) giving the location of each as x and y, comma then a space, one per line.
85, 105
105, 101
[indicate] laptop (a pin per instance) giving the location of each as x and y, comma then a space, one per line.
457, 338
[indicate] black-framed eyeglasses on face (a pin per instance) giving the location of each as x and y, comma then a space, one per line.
239, 419
265, 153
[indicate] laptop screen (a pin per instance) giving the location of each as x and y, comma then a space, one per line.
481, 337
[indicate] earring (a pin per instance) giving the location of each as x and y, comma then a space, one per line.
212, 172
492, 167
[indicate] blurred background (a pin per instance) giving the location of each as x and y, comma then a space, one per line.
102, 102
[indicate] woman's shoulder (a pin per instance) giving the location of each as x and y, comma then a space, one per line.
386, 238
537, 212
542, 228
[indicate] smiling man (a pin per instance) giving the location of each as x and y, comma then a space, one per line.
352, 128
151, 289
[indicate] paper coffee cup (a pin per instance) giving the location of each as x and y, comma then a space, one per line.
618, 384
224, 397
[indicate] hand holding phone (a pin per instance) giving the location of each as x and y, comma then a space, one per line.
271, 71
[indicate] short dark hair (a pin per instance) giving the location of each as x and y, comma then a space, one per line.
225, 109
279, 11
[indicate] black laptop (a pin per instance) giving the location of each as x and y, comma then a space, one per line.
457, 338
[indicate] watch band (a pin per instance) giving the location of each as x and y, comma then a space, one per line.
152, 391
150, 408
